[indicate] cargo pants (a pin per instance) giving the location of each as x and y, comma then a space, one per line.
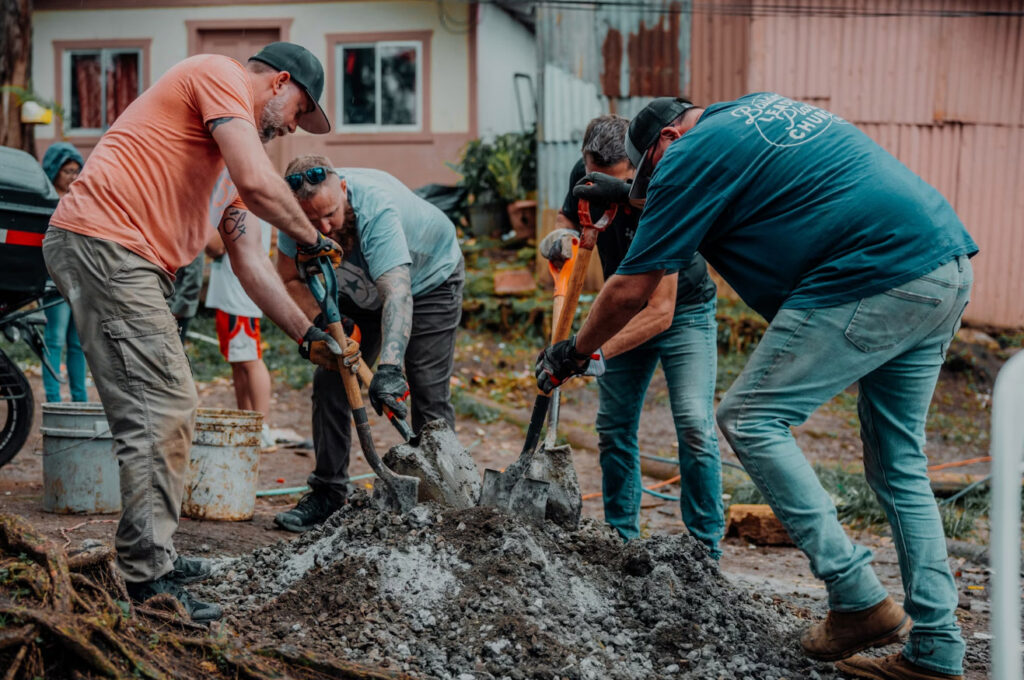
429, 361
131, 344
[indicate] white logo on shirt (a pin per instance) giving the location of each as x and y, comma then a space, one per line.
800, 122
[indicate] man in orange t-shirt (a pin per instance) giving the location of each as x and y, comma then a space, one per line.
141, 209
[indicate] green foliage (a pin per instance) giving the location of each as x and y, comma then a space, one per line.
468, 407
504, 169
23, 94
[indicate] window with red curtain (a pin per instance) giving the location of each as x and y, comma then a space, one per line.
99, 85
380, 86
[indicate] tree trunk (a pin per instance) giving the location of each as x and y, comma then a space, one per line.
15, 71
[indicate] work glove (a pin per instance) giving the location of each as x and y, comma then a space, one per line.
322, 247
320, 348
389, 388
351, 328
597, 367
558, 363
602, 189
556, 247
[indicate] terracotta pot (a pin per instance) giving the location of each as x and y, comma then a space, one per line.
523, 216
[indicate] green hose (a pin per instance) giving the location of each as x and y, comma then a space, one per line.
288, 491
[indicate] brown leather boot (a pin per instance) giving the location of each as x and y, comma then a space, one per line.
892, 667
843, 634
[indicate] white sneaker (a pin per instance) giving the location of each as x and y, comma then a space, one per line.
267, 442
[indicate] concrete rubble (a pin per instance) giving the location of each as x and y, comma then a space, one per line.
473, 593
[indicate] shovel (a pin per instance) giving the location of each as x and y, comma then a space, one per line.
512, 490
399, 492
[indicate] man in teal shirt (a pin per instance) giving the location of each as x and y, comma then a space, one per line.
862, 269
401, 283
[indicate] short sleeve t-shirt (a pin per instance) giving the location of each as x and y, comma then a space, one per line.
695, 286
147, 183
394, 226
795, 207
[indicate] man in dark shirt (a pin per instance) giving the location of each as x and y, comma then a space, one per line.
677, 328
862, 269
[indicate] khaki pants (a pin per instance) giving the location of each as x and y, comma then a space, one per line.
142, 375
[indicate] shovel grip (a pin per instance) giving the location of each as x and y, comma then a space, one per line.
351, 382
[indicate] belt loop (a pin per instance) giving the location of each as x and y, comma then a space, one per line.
960, 262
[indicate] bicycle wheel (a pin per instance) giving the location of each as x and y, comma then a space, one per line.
16, 409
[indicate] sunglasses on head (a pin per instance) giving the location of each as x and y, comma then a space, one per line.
314, 176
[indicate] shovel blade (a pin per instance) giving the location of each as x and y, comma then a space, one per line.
399, 492
496, 491
529, 499
516, 494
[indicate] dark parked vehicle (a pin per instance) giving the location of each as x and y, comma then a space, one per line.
27, 199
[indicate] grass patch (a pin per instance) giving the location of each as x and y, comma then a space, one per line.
467, 406
857, 506
280, 354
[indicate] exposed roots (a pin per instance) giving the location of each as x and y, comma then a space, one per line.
68, 617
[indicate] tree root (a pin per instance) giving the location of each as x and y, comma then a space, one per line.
64, 616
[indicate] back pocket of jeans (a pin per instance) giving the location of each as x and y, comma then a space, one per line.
148, 351
882, 321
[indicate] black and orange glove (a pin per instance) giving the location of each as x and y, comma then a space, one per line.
389, 388
558, 363
320, 348
322, 247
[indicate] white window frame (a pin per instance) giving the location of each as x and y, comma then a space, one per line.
339, 63
106, 55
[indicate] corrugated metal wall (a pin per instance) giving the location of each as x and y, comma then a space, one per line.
941, 89
944, 94
598, 60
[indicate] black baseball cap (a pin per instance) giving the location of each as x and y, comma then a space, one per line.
307, 72
642, 134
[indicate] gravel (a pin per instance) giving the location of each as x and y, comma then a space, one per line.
474, 593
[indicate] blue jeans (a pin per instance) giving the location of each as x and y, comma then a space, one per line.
893, 345
61, 331
689, 356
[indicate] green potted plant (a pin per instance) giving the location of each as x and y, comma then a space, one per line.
484, 209
513, 166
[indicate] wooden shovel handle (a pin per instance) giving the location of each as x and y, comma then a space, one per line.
351, 382
575, 287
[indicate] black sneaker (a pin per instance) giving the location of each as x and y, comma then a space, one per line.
198, 611
312, 509
191, 569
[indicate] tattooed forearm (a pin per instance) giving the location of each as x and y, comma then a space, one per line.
232, 225
395, 289
217, 122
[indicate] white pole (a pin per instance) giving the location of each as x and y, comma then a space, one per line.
1007, 447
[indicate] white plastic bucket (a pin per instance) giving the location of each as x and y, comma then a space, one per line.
223, 466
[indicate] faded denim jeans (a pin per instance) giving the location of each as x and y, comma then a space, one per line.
60, 333
688, 354
893, 345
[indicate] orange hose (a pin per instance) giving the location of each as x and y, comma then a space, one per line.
959, 463
597, 494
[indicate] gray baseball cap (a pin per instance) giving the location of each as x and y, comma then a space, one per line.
307, 72
643, 134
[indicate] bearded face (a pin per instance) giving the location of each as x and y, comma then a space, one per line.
272, 118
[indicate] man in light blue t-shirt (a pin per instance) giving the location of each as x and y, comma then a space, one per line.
862, 269
400, 284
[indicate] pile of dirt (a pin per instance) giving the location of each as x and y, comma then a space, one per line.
475, 593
